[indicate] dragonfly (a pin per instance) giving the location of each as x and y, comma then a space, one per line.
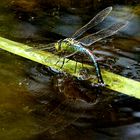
73, 44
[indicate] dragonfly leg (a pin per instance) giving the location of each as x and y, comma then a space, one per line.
63, 63
58, 60
75, 67
67, 60
67, 56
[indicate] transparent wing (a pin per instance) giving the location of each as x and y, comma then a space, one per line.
92, 38
96, 20
42, 47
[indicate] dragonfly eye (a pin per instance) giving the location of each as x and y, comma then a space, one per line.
67, 42
58, 45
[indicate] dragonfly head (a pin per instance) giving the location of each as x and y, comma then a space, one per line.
58, 45
63, 45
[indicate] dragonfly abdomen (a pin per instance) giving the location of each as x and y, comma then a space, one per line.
97, 68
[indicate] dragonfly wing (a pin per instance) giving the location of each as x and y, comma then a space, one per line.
92, 38
96, 20
67, 56
42, 47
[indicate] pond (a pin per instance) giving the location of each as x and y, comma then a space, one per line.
35, 101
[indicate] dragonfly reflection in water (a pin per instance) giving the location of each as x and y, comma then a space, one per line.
72, 46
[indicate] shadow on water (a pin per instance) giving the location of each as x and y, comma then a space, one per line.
38, 103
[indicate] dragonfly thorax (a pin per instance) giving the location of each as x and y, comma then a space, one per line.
68, 44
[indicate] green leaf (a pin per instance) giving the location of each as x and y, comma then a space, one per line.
115, 82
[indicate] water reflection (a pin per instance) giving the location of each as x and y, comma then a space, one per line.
36, 102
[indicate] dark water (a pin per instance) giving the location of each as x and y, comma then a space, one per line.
37, 103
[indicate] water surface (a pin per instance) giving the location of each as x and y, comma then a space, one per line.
36, 102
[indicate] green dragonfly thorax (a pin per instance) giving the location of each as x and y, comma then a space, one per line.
70, 45
67, 45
